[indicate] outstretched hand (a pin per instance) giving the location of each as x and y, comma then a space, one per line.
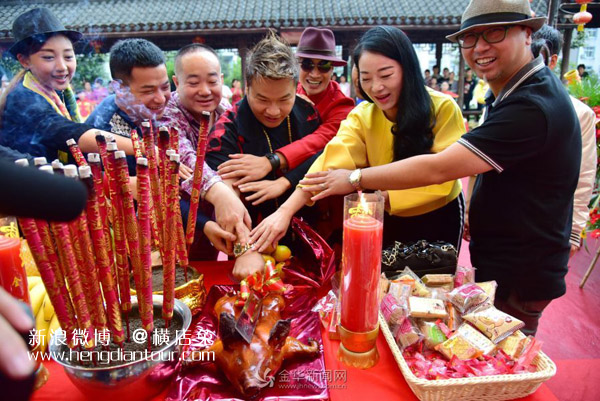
14, 359
270, 230
222, 240
244, 168
265, 190
327, 183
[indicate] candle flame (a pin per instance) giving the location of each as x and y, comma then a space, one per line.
362, 208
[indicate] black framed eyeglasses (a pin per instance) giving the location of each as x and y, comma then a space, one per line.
323, 65
491, 35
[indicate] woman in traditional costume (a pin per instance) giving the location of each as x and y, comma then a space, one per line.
38, 111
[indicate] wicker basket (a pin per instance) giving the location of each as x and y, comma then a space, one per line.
490, 388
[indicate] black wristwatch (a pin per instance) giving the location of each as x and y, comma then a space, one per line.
274, 160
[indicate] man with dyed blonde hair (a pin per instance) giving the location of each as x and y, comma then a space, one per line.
267, 119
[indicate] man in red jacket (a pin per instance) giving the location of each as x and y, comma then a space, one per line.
317, 57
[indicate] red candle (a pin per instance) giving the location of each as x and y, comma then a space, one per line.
361, 267
12, 272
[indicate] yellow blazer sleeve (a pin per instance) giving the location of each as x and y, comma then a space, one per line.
449, 127
346, 150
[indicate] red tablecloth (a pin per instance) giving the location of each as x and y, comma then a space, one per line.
382, 382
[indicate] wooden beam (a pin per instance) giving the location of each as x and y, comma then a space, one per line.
566, 50
553, 12
461, 80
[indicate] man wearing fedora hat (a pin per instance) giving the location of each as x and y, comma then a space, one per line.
317, 57
526, 155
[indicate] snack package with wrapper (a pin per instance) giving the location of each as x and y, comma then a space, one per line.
467, 296
514, 344
454, 318
439, 280
492, 322
384, 286
407, 333
464, 275
409, 277
434, 336
393, 311
466, 343
490, 289
427, 308
328, 308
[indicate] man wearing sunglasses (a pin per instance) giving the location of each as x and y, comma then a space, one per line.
526, 155
317, 57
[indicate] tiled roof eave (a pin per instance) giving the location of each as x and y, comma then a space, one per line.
183, 27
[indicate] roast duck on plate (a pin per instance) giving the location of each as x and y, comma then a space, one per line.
252, 366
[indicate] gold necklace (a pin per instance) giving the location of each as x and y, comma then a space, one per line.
269, 139
271, 146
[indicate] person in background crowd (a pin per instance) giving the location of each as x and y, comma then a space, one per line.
356, 85
38, 110
452, 84
400, 118
445, 89
433, 84
344, 85
428, 78
436, 72
548, 42
236, 89
226, 92
198, 82
99, 91
470, 83
142, 90
582, 72
85, 100
526, 154
445, 76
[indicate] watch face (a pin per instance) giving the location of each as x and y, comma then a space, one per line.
354, 179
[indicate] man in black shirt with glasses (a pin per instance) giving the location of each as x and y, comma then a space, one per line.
526, 155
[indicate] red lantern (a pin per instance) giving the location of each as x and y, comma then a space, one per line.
582, 17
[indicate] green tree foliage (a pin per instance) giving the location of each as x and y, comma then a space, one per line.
9, 66
588, 89
231, 68
89, 68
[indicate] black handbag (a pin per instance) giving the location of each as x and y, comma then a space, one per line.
422, 257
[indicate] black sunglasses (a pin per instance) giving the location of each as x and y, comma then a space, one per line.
323, 66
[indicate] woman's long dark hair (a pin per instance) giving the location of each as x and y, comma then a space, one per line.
413, 131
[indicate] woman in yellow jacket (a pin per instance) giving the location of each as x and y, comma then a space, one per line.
401, 118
